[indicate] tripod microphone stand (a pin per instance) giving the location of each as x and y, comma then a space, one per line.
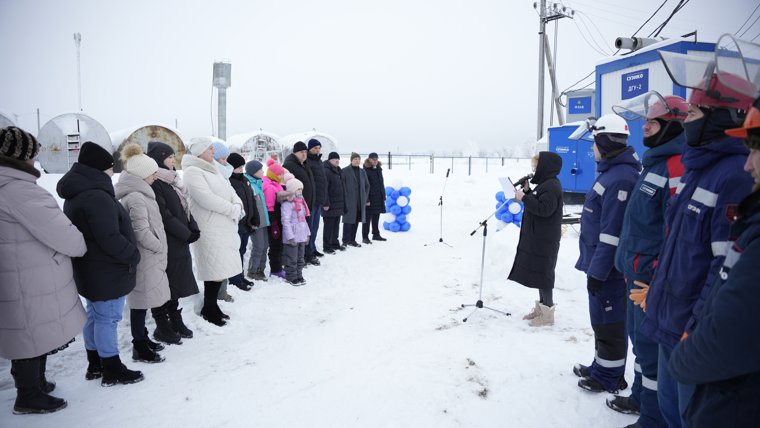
479, 304
440, 204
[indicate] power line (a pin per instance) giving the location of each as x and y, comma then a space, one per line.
681, 4
750, 26
598, 48
748, 18
601, 45
650, 18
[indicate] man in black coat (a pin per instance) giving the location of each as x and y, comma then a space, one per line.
250, 221
314, 160
335, 204
181, 231
108, 271
357, 192
540, 234
296, 164
376, 205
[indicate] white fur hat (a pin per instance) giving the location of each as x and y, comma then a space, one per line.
293, 184
199, 145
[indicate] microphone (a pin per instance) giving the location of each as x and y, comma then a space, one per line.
522, 180
447, 172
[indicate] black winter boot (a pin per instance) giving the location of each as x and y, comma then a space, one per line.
45, 385
211, 311
178, 325
114, 372
94, 368
164, 331
141, 351
29, 396
155, 347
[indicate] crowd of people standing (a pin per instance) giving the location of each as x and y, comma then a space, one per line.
147, 241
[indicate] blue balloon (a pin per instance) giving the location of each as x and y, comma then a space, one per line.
519, 216
405, 226
406, 210
507, 217
405, 191
401, 218
518, 223
386, 225
500, 196
389, 190
395, 227
395, 210
394, 195
389, 203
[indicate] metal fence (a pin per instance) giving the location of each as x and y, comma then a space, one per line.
456, 164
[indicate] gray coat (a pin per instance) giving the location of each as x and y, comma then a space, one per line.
356, 193
152, 287
40, 309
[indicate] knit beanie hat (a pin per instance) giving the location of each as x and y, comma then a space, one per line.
293, 184
199, 145
136, 162
299, 147
373, 155
220, 151
18, 144
235, 160
94, 156
355, 155
275, 167
314, 143
159, 152
252, 167
333, 155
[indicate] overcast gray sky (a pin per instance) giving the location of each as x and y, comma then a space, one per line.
408, 75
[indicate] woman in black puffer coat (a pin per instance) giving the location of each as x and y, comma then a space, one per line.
181, 231
374, 170
540, 234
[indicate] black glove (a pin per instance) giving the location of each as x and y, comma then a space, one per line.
194, 236
594, 285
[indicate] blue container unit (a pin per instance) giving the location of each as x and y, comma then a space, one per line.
619, 79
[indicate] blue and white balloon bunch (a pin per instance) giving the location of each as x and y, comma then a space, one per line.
509, 211
397, 207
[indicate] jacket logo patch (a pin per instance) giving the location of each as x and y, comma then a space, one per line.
647, 189
622, 195
691, 207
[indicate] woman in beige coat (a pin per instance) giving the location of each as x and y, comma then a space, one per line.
40, 310
217, 210
152, 286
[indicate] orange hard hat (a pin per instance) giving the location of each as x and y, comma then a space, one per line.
751, 121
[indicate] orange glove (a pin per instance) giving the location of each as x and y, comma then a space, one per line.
639, 295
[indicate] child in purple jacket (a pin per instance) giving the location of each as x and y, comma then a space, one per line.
295, 232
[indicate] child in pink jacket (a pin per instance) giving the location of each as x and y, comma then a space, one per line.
295, 232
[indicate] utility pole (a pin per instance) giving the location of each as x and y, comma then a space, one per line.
78, 42
547, 13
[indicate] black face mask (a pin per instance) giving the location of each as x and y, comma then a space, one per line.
668, 131
711, 127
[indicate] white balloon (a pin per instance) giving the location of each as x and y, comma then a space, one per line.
515, 208
390, 218
397, 184
402, 201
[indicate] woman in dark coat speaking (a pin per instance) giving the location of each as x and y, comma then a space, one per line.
540, 234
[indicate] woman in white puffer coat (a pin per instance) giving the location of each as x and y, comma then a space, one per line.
152, 286
217, 210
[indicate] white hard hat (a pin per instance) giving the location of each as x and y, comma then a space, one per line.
610, 124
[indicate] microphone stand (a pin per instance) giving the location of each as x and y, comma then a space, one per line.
440, 204
479, 304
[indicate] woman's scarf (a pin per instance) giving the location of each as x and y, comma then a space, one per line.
172, 178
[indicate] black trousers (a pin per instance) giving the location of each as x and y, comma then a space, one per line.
275, 252
330, 232
349, 232
137, 323
373, 219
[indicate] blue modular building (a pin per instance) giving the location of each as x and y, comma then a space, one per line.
617, 79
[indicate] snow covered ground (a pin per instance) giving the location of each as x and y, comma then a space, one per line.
375, 339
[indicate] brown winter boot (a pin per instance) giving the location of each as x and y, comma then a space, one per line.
533, 312
545, 316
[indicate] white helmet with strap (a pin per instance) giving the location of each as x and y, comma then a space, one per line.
610, 124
